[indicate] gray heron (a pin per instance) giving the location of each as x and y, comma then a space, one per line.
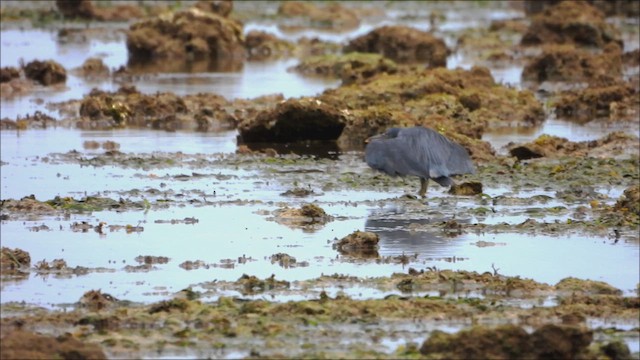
418, 151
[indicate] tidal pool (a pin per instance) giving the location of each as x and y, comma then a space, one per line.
232, 204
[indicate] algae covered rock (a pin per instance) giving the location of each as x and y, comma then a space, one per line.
189, 35
353, 67
261, 45
46, 72
358, 244
402, 44
14, 261
568, 63
615, 143
461, 104
571, 22
509, 342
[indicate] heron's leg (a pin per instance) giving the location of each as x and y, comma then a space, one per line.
423, 187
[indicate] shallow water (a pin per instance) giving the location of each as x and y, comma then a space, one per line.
234, 226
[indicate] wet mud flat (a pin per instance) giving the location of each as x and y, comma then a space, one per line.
275, 315
183, 211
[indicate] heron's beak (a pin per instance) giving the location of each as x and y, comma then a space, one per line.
371, 138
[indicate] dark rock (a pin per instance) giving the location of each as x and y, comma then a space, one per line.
46, 72
7, 73
294, 120
466, 188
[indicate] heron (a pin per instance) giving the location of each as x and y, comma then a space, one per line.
418, 151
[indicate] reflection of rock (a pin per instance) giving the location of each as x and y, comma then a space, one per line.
185, 36
294, 120
615, 143
509, 341
402, 44
359, 244
567, 63
402, 234
575, 22
46, 72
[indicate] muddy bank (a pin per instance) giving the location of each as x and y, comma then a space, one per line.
185, 324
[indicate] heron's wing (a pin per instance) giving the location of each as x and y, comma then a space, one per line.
441, 156
393, 157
